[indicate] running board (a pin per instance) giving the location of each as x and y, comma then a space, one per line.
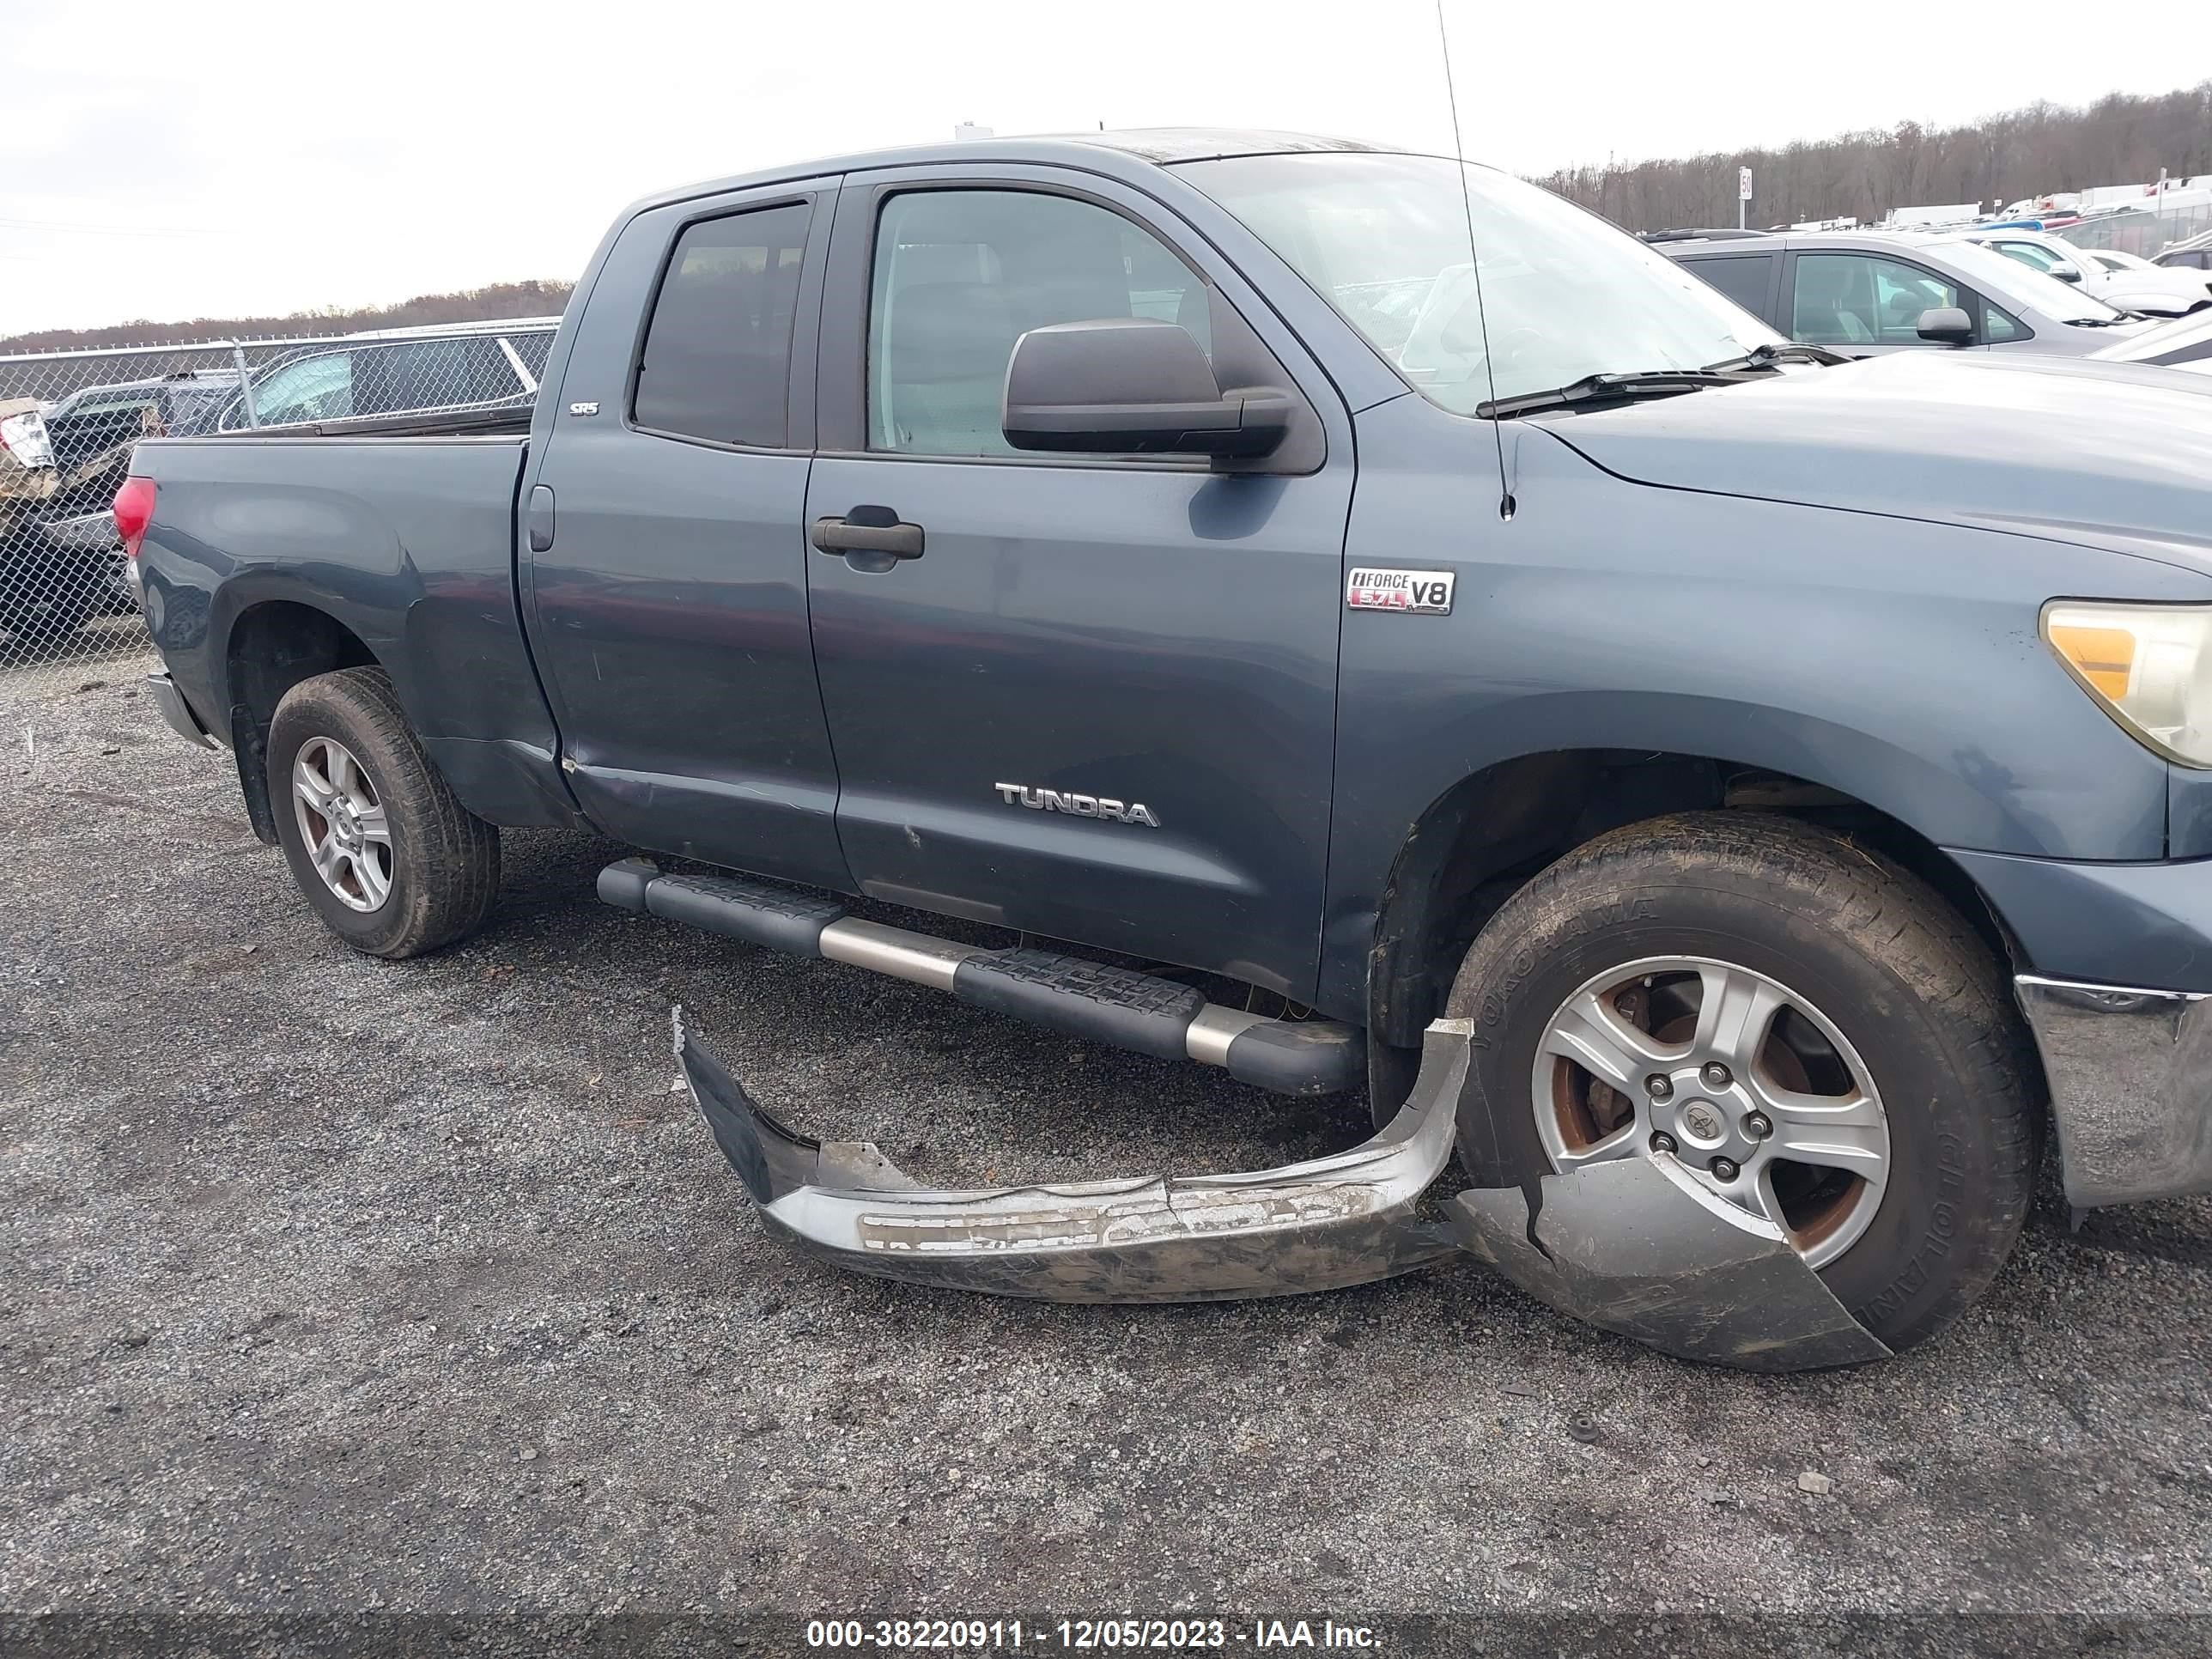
1116, 1006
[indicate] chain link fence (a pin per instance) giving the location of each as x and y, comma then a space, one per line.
70, 420
2147, 231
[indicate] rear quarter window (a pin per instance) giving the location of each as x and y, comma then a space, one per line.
717, 360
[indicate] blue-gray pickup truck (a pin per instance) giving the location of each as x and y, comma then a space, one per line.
1348, 617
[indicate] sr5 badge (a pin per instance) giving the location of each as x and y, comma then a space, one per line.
1416, 592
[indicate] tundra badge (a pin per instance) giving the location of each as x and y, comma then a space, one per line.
1418, 592
1083, 806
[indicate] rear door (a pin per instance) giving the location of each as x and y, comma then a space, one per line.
665, 569
1101, 704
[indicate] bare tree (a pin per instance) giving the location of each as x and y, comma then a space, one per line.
2119, 139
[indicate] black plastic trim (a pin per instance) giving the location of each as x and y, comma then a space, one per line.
1132, 1011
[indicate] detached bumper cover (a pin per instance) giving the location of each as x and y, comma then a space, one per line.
1346, 1219
2131, 1076
1634, 1247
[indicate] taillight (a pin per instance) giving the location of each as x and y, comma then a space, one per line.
134, 511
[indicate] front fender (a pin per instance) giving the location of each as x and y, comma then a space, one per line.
1893, 660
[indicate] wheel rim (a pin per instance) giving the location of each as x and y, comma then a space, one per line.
342, 824
1732, 1075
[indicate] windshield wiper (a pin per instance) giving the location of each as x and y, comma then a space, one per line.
1781, 351
1605, 388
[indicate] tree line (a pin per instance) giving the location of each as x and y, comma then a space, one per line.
2036, 150
525, 299
2042, 147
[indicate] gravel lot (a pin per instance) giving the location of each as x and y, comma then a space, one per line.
336, 1284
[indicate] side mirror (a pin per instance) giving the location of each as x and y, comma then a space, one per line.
2067, 273
1946, 325
1131, 386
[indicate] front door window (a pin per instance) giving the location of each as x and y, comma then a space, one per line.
1846, 300
960, 274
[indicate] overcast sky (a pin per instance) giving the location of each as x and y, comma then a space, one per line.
189, 157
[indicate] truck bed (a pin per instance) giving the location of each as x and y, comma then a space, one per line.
404, 539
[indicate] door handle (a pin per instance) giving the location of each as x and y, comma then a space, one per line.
868, 530
540, 518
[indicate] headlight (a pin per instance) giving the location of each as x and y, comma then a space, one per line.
2150, 666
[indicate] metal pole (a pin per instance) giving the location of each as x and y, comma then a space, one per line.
245, 384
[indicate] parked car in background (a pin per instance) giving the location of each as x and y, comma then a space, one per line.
55, 460
1869, 293
2186, 343
92, 428
2195, 254
2114, 258
489, 367
60, 558
2145, 291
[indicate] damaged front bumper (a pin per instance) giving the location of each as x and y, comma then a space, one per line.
1346, 1219
2131, 1076
1631, 1246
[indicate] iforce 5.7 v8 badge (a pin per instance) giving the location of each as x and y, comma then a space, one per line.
1416, 592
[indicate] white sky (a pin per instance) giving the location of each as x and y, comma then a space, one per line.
185, 157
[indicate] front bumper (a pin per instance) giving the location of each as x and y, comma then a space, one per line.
2131, 1076
178, 712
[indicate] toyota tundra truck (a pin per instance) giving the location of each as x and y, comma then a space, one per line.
1344, 616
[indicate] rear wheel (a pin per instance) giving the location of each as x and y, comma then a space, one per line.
1808, 1030
389, 858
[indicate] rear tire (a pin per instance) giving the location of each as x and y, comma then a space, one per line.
389, 858
1796, 918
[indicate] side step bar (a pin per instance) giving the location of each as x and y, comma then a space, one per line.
1115, 1005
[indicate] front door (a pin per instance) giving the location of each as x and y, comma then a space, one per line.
1100, 704
664, 566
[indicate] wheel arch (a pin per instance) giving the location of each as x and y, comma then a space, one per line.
271, 646
1481, 839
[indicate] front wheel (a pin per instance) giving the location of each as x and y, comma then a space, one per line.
389, 858
1807, 1029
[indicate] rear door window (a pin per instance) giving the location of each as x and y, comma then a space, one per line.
717, 360
1745, 278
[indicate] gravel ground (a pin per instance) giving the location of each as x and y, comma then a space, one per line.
337, 1285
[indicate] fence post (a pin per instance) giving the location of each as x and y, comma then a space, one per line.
245, 384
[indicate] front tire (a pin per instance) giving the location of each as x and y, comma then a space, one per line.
1804, 1026
389, 858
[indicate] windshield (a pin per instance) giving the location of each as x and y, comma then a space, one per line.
2010, 280
1385, 239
